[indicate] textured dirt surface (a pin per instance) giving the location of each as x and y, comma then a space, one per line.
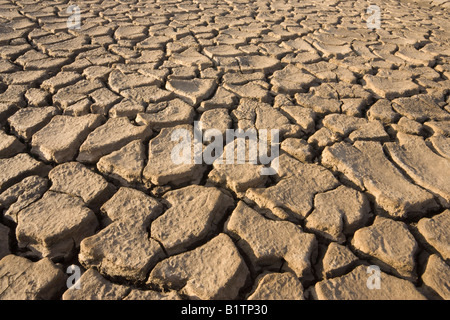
87, 117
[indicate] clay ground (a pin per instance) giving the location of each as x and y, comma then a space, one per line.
91, 96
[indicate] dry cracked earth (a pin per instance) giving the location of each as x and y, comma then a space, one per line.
86, 176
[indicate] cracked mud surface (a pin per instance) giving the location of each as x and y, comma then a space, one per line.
86, 176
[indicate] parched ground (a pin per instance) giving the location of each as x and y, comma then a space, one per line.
359, 205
